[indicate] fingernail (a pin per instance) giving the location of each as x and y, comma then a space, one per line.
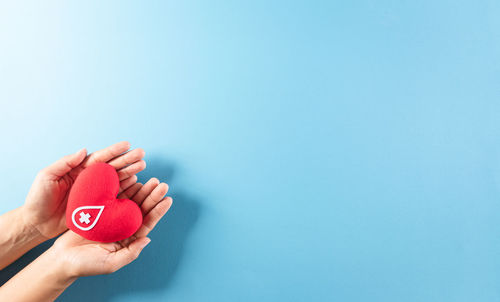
145, 243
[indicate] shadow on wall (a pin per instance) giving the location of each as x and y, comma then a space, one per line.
155, 269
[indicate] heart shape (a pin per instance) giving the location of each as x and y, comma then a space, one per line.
93, 210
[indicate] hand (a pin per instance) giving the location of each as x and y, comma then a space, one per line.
45, 205
83, 257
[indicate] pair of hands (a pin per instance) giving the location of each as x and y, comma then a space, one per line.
45, 209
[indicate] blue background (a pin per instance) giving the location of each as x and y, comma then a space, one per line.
316, 150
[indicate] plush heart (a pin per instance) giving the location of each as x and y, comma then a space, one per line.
93, 210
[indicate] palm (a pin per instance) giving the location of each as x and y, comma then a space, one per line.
48, 208
87, 257
47, 199
84, 255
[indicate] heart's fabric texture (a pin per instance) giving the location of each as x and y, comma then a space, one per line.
94, 212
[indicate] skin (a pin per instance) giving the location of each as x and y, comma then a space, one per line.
43, 217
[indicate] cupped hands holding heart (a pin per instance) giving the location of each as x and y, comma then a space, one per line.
86, 257
142, 206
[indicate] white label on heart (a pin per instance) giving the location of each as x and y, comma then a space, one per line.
85, 218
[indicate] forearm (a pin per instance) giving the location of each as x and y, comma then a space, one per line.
17, 237
42, 280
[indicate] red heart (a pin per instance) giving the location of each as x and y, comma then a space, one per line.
94, 212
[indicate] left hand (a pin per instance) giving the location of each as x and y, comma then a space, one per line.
82, 257
45, 206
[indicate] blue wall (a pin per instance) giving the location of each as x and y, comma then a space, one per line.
316, 150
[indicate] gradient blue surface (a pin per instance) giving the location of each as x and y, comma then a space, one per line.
316, 150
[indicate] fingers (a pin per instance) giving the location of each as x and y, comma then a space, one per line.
131, 170
153, 206
152, 218
126, 183
155, 197
127, 158
128, 254
127, 164
148, 187
131, 191
65, 164
108, 153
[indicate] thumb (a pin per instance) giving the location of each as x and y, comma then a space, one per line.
65, 164
128, 254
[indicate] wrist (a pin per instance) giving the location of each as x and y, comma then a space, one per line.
17, 237
60, 273
17, 232
29, 230
44, 279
